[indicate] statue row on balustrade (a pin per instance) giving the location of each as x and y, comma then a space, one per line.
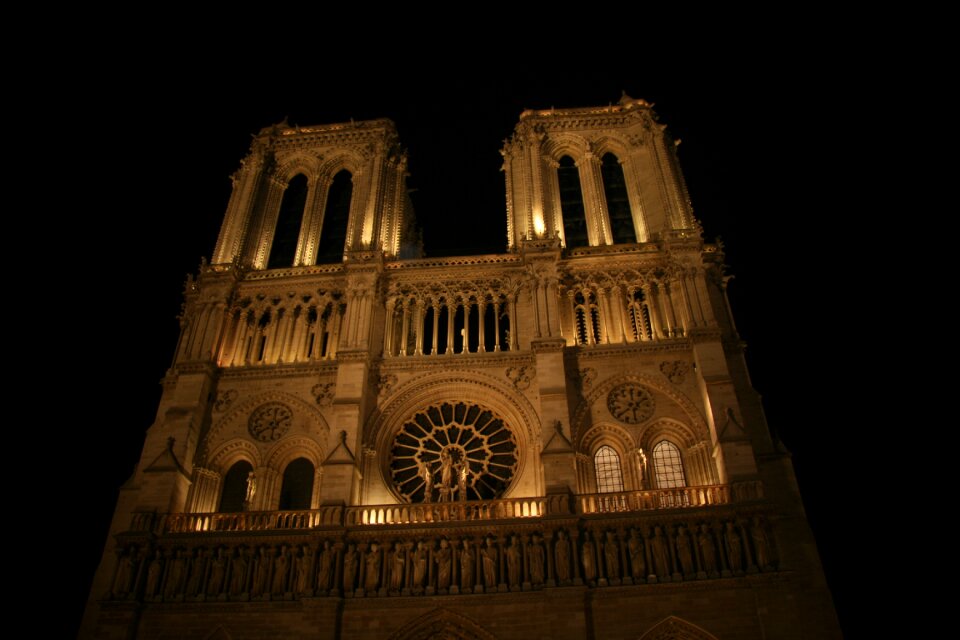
593, 556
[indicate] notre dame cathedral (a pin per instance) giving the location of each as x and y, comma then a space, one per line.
560, 441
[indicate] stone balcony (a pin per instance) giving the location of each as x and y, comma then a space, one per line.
592, 540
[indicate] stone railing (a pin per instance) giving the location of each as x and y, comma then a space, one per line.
445, 511
244, 521
655, 499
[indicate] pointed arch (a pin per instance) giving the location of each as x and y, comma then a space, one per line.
290, 165
674, 628
286, 235
442, 624
336, 218
618, 199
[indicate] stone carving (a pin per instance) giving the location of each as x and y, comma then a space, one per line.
397, 560
350, 569
175, 574
323, 393
513, 562
419, 565
442, 558
675, 370
198, 568
238, 579
251, 488
761, 544
630, 403
521, 377
684, 551
301, 580
708, 552
660, 553
535, 557
224, 400
326, 566
734, 548
562, 557
489, 556
611, 552
386, 383
270, 421
638, 564
281, 568
154, 572
371, 577
218, 571
457, 448
126, 570
587, 376
588, 556
261, 570
466, 567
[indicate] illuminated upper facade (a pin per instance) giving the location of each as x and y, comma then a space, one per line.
481, 437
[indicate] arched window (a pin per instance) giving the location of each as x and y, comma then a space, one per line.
234, 490
587, 318
639, 316
609, 475
296, 492
571, 204
668, 465
284, 247
333, 232
618, 204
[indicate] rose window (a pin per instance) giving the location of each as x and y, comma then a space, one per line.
453, 451
270, 421
630, 403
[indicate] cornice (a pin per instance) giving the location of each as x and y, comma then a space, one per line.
453, 261
467, 361
294, 272
601, 351
312, 370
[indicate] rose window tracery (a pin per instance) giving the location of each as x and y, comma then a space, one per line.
270, 421
453, 451
630, 403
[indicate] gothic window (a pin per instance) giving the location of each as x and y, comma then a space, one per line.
234, 490
504, 328
618, 204
587, 314
296, 492
668, 465
609, 474
571, 204
333, 234
639, 316
284, 248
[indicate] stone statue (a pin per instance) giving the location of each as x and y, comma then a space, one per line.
513, 562
198, 568
442, 558
419, 565
562, 556
489, 555
761, 544
463, 473
238, 580
611, 552
218, 570
154, 573
684, 551
125, 572
251, 488
261, 570
708, 552
371, 578
423, 470
734, 548
446, 469
350, 568
281, 566
466, 566
638, 564
660, 553
397, 560
326, 566
175, 573
304, 564
589, 556
535, 560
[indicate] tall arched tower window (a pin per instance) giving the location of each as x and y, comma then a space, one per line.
333, 233
234, 490
668, 465
618, 203
296, 492
285, 237
571, 204
609, 474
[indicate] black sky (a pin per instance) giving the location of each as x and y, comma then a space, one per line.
166, 139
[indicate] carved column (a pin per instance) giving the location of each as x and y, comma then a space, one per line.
496, 326
451, 314
436, 327
512, 308
591, 181
665, 308
481, 310
418, 319
405, 328
467, 307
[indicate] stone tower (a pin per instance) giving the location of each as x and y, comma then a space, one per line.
562, 440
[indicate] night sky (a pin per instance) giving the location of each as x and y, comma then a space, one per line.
167, 140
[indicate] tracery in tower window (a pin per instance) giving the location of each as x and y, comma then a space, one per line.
571, 204
618, 203
453, 451
284, 247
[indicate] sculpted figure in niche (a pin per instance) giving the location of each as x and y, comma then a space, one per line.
489, 555
513, 561
423, 470
326, 566
589, 557
708, 552
304, 564
463, 472
442, 557
197, 570
638, 564
175, 574
535, 560
734, 548
125, 573
218, 570
153, 575
251, 490
684, 551
419, 564
260, 571
281, 567
660, 552
397, 561
238, 580
611, 551
446, 469
466, 566
761, 544
562, 556
350, 568
371, 579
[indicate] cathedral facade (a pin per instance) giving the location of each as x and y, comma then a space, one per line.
559, 441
